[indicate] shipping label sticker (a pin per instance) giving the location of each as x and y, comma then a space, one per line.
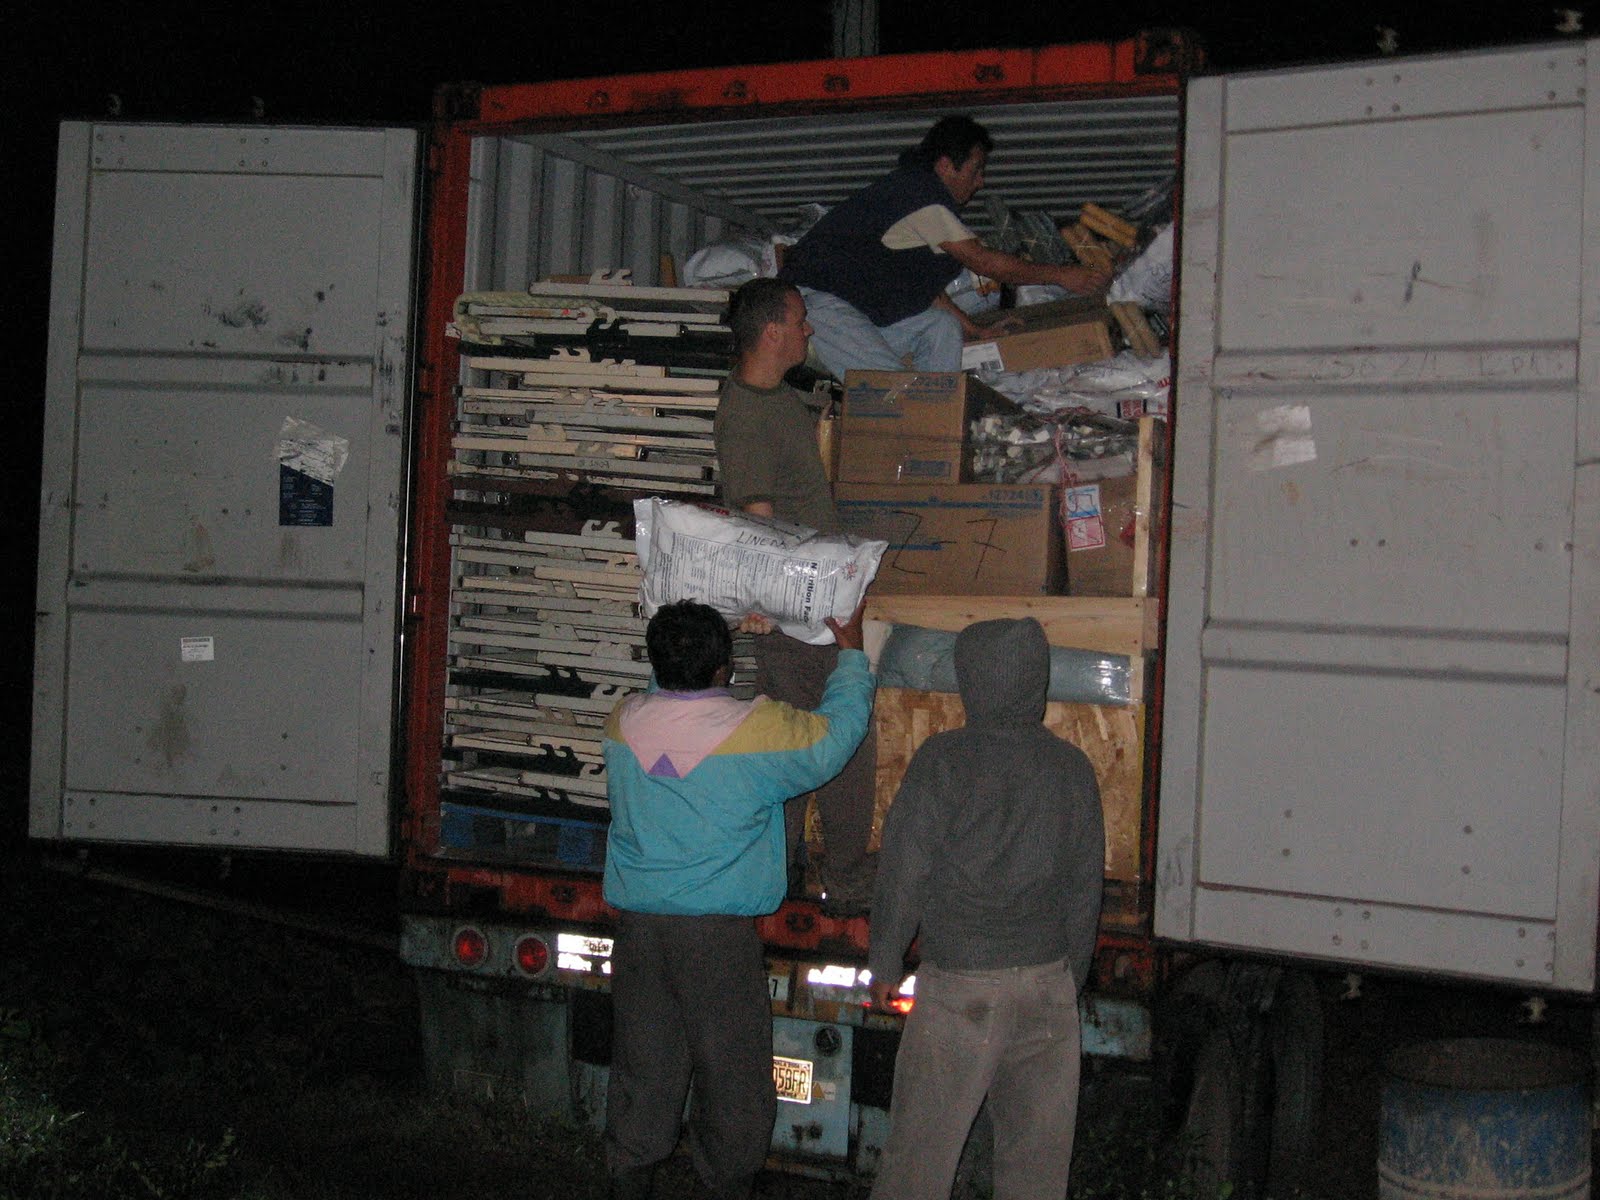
197, 649
981, 354
1280, 437
309, 460
1082, 516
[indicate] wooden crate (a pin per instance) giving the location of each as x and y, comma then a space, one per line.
1112, 737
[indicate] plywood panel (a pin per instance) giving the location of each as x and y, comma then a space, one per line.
1112, 737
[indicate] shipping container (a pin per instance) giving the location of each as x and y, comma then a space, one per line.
1360, 643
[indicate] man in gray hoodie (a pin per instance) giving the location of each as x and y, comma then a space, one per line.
994, 849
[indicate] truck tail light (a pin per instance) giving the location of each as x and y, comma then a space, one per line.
470, 947
531, 954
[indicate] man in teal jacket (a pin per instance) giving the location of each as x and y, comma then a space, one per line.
697, 781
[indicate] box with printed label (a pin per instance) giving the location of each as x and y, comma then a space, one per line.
911, 426
976, 539
1099, 519
893, 459
1058, 334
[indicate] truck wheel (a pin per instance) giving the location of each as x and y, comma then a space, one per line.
1211, 1141
1295, 1036
1214, 1078
1187, 1013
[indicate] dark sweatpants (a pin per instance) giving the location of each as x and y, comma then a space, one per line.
796, 672
689, 999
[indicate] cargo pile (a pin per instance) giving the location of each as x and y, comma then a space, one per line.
999, 479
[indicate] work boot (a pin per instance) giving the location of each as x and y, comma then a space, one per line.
631, 1184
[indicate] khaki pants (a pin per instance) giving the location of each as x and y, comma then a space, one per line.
1011, 1035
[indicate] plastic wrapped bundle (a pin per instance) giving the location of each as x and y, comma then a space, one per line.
924, 660
741, 564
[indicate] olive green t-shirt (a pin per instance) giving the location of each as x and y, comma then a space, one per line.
767, 450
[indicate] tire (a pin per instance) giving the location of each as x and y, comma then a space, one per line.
1188, 1012
1212, 1140
1295, 1037
1211, 1075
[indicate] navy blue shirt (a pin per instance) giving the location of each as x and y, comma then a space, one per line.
844, 254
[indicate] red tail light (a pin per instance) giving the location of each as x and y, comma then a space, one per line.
532, 955
470, 946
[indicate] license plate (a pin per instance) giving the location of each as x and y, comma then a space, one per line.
792, 1078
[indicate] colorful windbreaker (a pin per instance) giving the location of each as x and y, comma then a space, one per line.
697, 782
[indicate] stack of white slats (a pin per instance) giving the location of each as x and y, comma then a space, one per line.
551, 442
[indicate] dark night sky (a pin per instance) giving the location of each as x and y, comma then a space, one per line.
351, 60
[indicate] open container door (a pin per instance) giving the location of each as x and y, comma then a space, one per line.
1381, 712
223, 486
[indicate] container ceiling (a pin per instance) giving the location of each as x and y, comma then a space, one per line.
1049, 157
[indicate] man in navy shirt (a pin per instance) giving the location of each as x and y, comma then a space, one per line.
873, 271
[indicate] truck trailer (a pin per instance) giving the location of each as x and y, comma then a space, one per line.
1362, 637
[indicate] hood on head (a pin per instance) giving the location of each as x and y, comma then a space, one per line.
1003, 670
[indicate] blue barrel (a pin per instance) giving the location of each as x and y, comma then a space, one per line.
1482, 1119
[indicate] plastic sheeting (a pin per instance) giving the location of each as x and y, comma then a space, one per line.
924, 660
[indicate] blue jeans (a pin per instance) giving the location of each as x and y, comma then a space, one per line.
845, 340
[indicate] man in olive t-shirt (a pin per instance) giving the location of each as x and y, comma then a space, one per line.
766, 436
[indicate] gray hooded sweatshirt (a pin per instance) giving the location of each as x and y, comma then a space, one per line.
995, 844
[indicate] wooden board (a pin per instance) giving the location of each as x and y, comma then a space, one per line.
1112, 737
1109, 624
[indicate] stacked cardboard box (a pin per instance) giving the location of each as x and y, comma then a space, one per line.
976, 539
1100, 521
1060, 333
905, 471
912, 426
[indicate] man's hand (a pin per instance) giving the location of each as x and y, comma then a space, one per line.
883, 991
1086, 279
993, 329
756, 623
848, 635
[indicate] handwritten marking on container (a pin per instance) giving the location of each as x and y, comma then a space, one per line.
1280, 437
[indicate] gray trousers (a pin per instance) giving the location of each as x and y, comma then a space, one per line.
1011, 1035
795, 672
689, 1003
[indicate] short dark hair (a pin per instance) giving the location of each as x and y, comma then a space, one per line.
687, 642
953, 137
757, 304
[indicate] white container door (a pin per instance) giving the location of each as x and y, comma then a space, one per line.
223, 491
1383, 633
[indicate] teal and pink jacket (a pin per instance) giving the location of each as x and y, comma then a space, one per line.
697, 782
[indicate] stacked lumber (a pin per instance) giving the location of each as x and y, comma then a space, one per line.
553, 439
1100, 238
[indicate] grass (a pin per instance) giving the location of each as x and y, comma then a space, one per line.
151, 1050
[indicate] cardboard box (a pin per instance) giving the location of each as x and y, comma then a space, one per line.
904, 460
1058, 334
1099, 526
978, 539
911, 426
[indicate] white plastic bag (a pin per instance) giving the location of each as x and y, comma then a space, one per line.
1147, 280
739, 564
